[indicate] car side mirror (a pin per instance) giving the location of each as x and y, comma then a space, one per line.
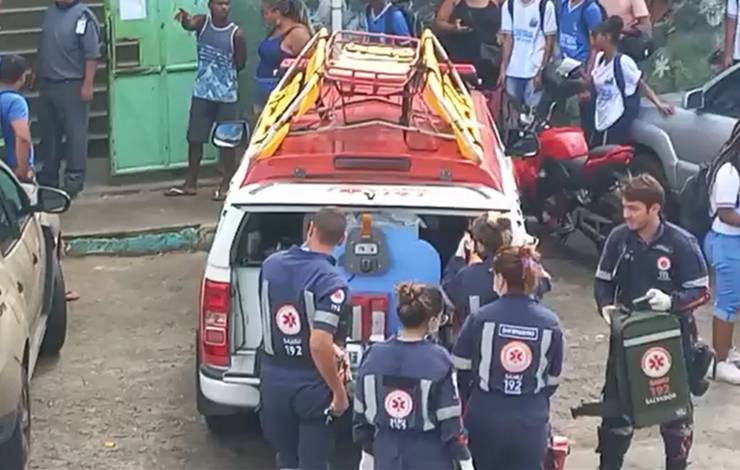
694, 99
522, 144
230, 134
51, 200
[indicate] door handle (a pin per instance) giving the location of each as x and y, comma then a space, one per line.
35, 259
20, 287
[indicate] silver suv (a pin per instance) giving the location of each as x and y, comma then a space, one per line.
33, 309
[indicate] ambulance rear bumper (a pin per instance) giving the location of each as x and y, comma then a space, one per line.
239, 392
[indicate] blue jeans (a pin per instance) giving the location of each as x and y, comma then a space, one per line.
723, 253
523, 90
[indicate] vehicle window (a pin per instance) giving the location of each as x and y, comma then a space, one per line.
14, 201
9, 235
265, 233
268, 232
724, 97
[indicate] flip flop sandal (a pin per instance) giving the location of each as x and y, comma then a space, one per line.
177, 191
71, 296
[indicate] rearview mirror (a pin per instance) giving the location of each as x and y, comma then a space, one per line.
51, 200
694, 99
231, 134
522, 144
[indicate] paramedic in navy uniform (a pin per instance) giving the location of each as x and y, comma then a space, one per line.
407, 409
469, 287
509, 356
302, 298
648, 257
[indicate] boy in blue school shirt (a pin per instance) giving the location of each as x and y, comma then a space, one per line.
14, 117
382, 17
578, 18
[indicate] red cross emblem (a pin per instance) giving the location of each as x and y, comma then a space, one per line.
656, 362
516, 357
288, 321
398, 404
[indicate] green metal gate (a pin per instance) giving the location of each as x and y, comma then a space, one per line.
153, 63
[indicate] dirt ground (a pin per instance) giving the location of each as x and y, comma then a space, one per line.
121, 395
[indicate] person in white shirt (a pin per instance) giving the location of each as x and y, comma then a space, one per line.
616, 83
732, 38
528, 44
722, 247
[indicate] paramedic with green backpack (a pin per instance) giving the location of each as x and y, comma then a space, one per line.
649, 258
617, 83
722, 247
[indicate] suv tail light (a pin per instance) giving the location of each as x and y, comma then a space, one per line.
369, 317
214, 323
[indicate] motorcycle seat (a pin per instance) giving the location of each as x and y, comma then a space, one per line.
604, 150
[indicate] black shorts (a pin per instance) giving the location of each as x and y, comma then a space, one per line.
204, 115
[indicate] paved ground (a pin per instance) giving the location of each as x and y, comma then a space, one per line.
121, 394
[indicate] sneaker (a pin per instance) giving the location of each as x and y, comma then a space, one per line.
726, 372
734, 357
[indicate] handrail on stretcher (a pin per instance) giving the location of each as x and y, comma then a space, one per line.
346, 59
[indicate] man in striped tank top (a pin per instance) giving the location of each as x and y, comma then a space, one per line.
222, 54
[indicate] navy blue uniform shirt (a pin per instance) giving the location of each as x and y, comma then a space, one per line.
672, 262
409, 387
512, 347
300, 290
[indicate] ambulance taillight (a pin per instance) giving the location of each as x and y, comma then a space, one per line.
214, 323
369, 317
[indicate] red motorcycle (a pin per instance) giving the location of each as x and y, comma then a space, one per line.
566, 185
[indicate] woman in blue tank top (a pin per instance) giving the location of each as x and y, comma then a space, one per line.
290, 30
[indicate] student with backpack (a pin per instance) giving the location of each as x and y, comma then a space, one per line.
529, 28
722, 248
386, 17
14, 117
616, 86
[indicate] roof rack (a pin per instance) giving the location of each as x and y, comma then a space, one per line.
347, 69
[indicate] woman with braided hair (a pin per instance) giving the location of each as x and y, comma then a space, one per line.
407, 412
510, 354
722, 247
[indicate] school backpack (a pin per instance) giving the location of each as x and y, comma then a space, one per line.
543, 7
413, 21
693, 199
632, 102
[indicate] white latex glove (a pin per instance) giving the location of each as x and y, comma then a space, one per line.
659, 300
367, 461
467, 464
465, 245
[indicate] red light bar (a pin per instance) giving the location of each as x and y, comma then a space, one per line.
370, 163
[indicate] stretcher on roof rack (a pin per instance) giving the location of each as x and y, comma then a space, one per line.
349, 68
